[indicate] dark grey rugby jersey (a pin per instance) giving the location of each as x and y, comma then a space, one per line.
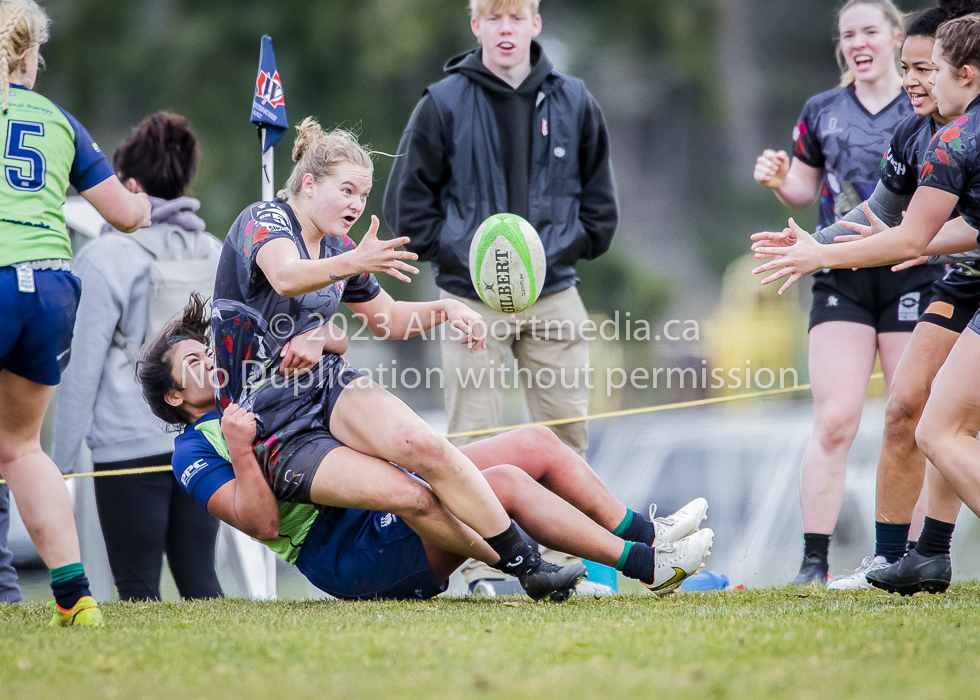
837, 134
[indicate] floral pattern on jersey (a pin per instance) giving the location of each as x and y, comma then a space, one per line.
239, 356
946, 141
799, 132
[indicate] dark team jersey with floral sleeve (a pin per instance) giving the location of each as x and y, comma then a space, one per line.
952, 163
900, 165
251, 322
837, 134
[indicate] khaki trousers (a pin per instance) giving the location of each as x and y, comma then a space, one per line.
552, 364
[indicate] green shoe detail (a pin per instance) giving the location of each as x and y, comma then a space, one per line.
85, 612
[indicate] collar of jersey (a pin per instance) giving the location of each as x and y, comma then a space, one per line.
213, 415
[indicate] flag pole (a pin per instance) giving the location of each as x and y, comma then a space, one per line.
268, 164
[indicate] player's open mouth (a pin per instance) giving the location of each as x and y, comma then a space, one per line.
350, 219
506, 46
863, 61
917, 98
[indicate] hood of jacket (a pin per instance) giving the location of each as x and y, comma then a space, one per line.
471, 65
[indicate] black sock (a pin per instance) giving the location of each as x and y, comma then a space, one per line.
67, 593
641, 562
638, 530
910, 545
514, 551
816, 549
935, 538
891, 540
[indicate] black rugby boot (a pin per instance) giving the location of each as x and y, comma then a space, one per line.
812, 571
914, 573
543, 580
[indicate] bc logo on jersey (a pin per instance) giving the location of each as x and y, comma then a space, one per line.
268, 88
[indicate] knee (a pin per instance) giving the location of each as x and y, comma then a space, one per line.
928, 436
414, 500
901, 416
12, 449
538, 440
420, 448
836, 430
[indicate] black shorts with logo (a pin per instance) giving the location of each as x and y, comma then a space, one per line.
889, 302
956, 298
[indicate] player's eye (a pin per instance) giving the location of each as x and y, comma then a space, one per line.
347, 190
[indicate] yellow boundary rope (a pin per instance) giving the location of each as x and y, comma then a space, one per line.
506, 428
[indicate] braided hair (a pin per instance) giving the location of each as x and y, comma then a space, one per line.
23, 25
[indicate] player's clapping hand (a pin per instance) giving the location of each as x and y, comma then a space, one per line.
376, 256
238, 427
471, 323
769, 239
802, 258
771, 168
862, 230
302, 352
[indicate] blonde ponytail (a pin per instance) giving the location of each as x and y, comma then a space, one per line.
23, 25
318, 152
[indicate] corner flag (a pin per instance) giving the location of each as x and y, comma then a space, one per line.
269, 103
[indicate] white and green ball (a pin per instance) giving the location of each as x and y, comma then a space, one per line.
507, 263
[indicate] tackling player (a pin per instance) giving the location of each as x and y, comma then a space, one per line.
396, 539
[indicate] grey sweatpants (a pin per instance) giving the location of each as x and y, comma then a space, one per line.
9, 590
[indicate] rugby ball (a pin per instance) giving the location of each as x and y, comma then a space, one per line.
507, 263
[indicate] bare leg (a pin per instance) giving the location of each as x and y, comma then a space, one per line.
372, 421
841, 358
35, 481
539, 453
550, 520
901, 464
947, 432
944, 504
349, 479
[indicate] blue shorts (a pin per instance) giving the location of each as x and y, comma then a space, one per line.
37, 326
365, 554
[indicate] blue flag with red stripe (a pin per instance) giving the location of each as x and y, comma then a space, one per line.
269, 103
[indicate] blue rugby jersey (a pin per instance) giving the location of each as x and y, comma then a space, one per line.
837, 134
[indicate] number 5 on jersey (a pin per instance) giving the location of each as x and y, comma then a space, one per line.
28, 177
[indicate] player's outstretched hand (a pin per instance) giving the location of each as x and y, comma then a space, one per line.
769, 239
470, 322
376, 256
802, 258
771, 168
238, 427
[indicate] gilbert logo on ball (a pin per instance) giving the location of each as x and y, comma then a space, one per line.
507, 263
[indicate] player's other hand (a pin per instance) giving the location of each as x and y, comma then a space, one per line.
772, 239
378, 256
771, 168
302, 352
470, 322
238, 427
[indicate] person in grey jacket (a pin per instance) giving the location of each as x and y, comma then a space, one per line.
99, 400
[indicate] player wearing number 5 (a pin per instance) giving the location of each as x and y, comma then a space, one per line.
45, 150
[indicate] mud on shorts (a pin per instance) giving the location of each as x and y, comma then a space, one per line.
889, 302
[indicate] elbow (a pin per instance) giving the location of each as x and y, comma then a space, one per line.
285, 287
270, 531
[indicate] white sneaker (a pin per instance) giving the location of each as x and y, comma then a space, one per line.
678, 560
684, 522
587, 587
858, 580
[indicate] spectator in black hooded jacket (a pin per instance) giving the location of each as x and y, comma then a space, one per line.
505, 132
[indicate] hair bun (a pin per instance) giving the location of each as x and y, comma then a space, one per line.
308, 132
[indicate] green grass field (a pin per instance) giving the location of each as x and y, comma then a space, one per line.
781, 643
